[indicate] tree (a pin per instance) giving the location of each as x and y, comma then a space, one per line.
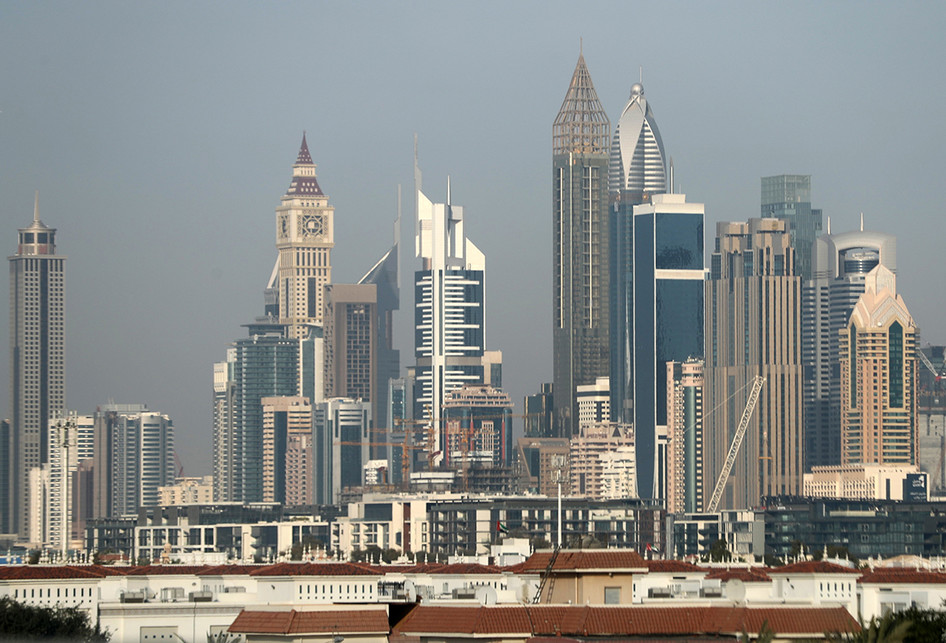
19, 622
719, 552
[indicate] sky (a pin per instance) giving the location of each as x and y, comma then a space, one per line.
161, 136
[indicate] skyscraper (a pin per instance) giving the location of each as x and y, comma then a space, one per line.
788, 197
449, 312
351, 342
878, 377
305, 236
637, 171
579, 245
685, 486
840, 263
668, 318
753, 328
340, 433
37, 361
287, 450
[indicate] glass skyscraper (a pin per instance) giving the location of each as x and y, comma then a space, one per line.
788, 197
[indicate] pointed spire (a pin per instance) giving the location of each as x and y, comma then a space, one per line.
304, 157
36, 208
582, 125
829, 224
862, 221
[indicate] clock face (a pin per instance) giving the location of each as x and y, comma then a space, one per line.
284, 226
311, 225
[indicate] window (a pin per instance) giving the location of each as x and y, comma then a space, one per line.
612, 595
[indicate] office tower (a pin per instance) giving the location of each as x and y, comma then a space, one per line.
753, 328
602, 461
638, 170
788, 197
341, 436
6, 493
668, 318
477, 427
540, 463
685, 487
449, 312
265, 364
878, 376
840, 263
594, 402
305, 236
539, 413
579, 245
37, 359
351, 342
385, 276
285, 420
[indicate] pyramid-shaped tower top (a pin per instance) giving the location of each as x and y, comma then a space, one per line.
304, 182
582, 125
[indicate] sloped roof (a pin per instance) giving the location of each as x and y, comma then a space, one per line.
229, 570
813, 567
315, 569
750, 575
373, 621
888, 575
585, 621
49, 572
165, 570
568, 560
671, 566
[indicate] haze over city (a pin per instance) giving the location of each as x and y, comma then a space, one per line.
161, 137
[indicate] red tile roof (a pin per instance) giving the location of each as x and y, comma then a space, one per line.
229, 570
671, 566
750, 575
813, 567
343, 622
315, 569
164, 570
893, 575
568, 560
585, 621
48, 572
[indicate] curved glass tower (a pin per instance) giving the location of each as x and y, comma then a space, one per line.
638, 170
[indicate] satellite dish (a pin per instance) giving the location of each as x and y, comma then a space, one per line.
735, 590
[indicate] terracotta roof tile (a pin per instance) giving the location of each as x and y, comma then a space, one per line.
373, 621
890, 575
671, 566
315, 569
585, 559
586, 621
229, 570
48, 572
165, 570
750, 575
813, 567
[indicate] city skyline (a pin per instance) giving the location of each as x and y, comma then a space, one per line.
160, 168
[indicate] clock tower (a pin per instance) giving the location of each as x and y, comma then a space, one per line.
304, 239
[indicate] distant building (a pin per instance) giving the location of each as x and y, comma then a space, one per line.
187, 491
37, 367
879, 376
753, 328
840, 263
70, 439
868, 482
637, 171
685, 485
668, 318
580, 284
541, 463
351, 343
477, 427
788, 197
341, 441
594, 402
539, 413
287, 428
602, 462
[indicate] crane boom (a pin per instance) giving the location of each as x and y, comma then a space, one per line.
926, 361
736, 443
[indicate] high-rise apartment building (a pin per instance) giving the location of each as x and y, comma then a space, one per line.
594, 402
878, 377
37, 362
341, 436
305, 236
477, 427
351, 343
539, 417
753, 328
449, 312
287, 431
70, 439
638, 170
685, 486
601, 461
580, 286
265, 364
840, 263
668, 319
788, 197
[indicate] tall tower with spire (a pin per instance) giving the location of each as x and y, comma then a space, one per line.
638, 171
580, 137
37, 366
304, 239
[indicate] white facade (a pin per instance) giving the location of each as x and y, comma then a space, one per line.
868, 481
594, 402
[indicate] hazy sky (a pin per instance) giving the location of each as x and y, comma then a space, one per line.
161, 137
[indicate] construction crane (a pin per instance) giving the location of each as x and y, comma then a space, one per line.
736, 444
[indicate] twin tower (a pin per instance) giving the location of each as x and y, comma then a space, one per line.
624, 252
